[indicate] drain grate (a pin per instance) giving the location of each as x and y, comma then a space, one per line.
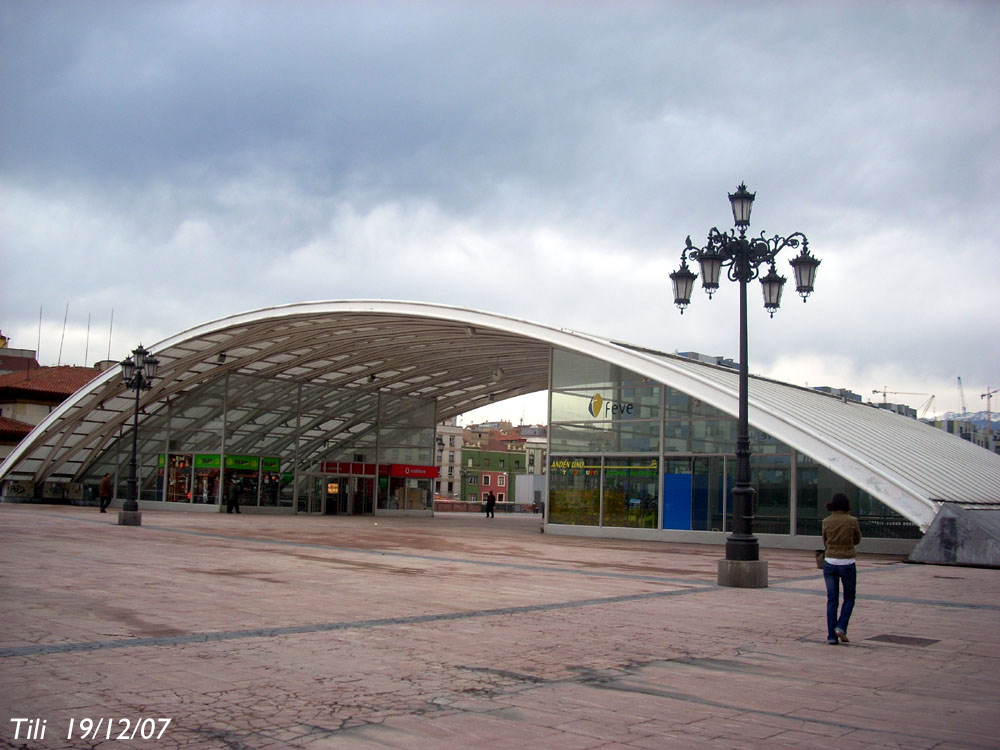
903, 640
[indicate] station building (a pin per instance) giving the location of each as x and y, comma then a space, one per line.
331, 407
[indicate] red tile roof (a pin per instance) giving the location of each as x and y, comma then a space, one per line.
53, 381
14, 427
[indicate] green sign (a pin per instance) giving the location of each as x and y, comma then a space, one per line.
245, 463
207, 461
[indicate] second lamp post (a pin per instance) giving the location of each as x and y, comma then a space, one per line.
743, 257
138, 372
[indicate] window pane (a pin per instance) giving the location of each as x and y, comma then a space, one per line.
606, 437
630, 492
575, 491
571, 370
817, 484
771, 477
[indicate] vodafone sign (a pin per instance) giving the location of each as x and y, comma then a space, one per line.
413, 471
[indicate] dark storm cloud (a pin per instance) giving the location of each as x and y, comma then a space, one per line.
291, 151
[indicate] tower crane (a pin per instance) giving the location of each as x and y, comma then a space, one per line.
961, 391
922, 409
885, 390
989, 419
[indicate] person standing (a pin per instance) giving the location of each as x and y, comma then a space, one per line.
105, 492
491, 501
233, 497
841, 533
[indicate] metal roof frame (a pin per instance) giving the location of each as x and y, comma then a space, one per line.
448, 354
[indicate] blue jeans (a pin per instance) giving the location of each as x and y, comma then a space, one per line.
833, 575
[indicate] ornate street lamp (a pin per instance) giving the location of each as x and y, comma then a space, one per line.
743, 257
138, 372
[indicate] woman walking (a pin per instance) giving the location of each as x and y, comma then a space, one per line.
840, 535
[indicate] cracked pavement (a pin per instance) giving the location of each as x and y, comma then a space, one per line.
263, 632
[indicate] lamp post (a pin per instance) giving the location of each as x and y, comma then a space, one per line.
138, 372
743, 257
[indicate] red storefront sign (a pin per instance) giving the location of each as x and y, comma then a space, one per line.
412, 471
348, 467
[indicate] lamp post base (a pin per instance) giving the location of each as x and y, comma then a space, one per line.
129, 518
743, 574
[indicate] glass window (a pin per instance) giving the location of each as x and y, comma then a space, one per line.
817, 484
709, 493
406, 429
694, 490
605, 437
713, 435
585, 388
771, 476
630, 492
575, 490
679, 405
405, 494
179, 478
572, 370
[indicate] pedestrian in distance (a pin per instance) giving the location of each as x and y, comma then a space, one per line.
491, 501
841, 533
233, 497
105, 492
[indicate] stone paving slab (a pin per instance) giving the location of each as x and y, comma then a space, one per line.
265, 632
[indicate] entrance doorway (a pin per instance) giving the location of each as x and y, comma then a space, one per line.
339, 495
694, 493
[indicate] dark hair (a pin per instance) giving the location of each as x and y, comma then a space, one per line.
839, 502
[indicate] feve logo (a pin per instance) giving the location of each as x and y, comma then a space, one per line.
601, 407
595, 405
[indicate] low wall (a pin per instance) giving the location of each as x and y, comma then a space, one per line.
462, 506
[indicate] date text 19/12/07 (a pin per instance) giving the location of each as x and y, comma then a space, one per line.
93, 729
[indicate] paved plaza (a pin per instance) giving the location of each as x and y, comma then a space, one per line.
265, 632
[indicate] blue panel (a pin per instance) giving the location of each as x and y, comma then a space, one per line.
699, 511
677, 501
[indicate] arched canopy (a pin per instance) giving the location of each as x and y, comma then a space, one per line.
462, 359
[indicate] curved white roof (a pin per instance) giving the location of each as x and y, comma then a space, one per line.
449, 354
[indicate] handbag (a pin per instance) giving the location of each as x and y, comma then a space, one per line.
820, 558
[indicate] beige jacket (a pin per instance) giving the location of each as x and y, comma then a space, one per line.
840, 534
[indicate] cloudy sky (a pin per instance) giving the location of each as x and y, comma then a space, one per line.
178, 162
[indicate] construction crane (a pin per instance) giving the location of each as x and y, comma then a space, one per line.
922, 409
885, 390
925, 407
989, 418
961, 390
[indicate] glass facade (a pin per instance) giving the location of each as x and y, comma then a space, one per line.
626, 452
630, 492
263, 432
816, 484
575, 490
